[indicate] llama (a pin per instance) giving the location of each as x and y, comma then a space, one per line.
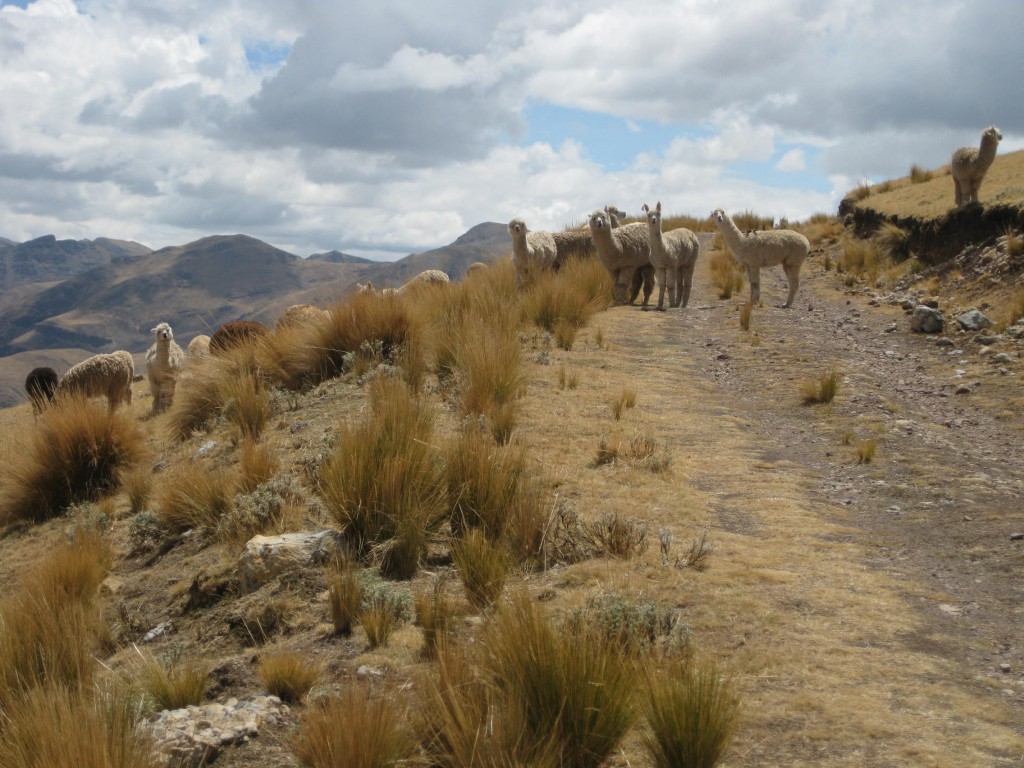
624, 251
108, 376
577, 243
674, 255
765, 249
164, 361
299, 315
532, 252
969, 166
40, 385
424, 278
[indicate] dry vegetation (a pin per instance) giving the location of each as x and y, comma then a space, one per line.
495, 569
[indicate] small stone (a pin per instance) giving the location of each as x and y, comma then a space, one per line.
1005, 668
945, 341
206, 447
963, 389
1017, 537
1002, 357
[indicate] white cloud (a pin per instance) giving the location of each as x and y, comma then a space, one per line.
793, 160
398, 125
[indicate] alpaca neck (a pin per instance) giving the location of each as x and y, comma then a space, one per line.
163, 351
657, 238
731, 233
987, 152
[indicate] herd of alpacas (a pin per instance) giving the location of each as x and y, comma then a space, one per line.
636, 256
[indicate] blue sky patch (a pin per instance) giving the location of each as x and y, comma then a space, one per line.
265, 55
612, 142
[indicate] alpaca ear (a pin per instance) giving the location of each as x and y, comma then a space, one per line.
658, 207
152, 330
645, 208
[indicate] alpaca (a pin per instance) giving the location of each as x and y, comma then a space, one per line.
969, 165
476, 268
40, 385
164, 361
108, 376
298, 315
198, 348
624, 251
532, 252
426, 277
235, 333
674, 255
577, 243
765, 249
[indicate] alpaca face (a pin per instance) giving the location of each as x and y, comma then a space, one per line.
163, 332
653, 215
718, 214
599, 220
993, 133
516, 227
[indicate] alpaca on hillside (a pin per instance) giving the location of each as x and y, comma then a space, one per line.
577, 243
969, 165
108, 376
164, 361
765, 249
674, 255
532, 252
624, 251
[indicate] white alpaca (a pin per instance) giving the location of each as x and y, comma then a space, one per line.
674, 255
532, 252
108, 376
765, 249
624, 251
164, 361
424, 278
577, 243
198, 348
969, 165
298, 315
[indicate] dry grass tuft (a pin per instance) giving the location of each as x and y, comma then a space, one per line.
745, 313
78, 452
355, 729
865, 451
626, 399
173, 683
821, 391
726, 273
919, 175
435, 615
383, 484
191, 497
288, 675
483, 567
59, 727
691, 715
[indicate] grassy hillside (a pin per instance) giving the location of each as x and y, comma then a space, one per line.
549, 508
922, 204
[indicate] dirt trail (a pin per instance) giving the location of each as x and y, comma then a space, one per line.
929, 521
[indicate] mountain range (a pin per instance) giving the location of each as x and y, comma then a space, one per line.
64, 300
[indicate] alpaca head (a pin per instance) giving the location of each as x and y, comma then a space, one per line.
718, 214
612, 210
653, 215
366, 287
517, 227
163, 333
992, 134
599, 220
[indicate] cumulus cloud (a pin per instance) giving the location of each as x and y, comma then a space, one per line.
395, 126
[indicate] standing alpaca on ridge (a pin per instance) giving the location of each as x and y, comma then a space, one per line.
674, 255
624, 251
164, 361
765, 249
969, 165
532, 252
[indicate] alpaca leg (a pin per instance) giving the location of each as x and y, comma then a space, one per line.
754, 275
687, 273
647, 276
793, 276
661, 274
958, 191
629, 279
621, 277
975, 189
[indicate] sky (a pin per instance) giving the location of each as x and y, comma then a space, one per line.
391, 127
